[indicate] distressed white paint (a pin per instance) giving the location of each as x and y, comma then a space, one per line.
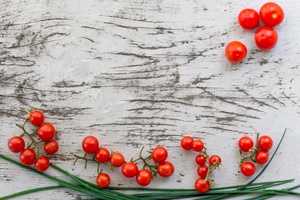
144, 73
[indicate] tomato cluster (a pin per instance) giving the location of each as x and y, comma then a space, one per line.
271, 14
158, 157
31, 153
253, 154
207, 164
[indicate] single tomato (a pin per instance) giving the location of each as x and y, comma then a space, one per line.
235, 51
266, 38
248, 18
271, 14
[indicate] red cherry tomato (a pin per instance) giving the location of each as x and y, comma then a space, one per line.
102, 155
16, 144
51, 147
245, 143
201, 159
235, 51
187, 142
130, 169
36, 118
215, 160
271, 14
198, 145
159, 154
248, 18
261, 157
27, 156
248, 168
46, 131
90, 144
202, 185
265, 142
42, 164
117, 159
103, 180
266, 38
165, 169
143, 177
202, 171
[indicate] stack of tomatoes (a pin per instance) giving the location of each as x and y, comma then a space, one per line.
271, 14
254, 154
144, 176
45, 133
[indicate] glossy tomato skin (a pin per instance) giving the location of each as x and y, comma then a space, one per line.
117, 159
103, 180
248, 168
102, 155
271, 14
245, 143
235, 52
42, 164
187, 142
262, 157
144, 177
90, 144
200, 159
201, 185
266, 38
36, 117
265, 142
130, 169
51, 147
27, 156
165, 169
16, 144
198, 145
159, 154
202, 171
248, 18
46, 131
215, 159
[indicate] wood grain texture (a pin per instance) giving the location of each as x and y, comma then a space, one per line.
140, 73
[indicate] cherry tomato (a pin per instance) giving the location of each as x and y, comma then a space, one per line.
143, 177
271, 14
187, 142
51, 147
90, 144
130, 169
117, 159
103, 180
248, 168
202, 171
201, 185
266, 38
102, 155
198, 145
42, 164
265, 142
248, 18
165, 169
36, 118
245, 143
261, 157
159, 154
201, 159
16, 144
235, 51
215, 160
46, 131
27, 156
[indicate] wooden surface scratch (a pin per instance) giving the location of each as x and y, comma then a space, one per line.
140, 73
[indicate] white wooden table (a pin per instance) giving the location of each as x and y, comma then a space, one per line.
140, 73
